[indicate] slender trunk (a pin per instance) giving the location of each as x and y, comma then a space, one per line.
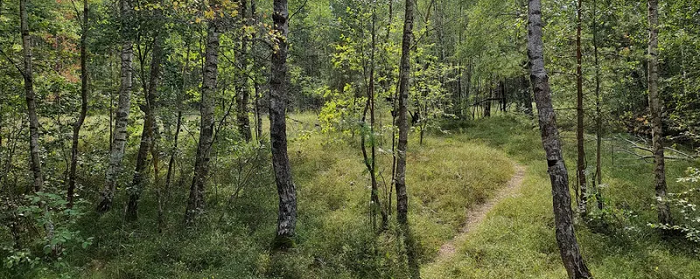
370, 161
599, 122
487, 101
178, 125
563, 215
83, 105
34, 148
123, 107
581, 159
656, 109
258, 100
402, 123
527, 96
504, 100
243, 92
287, 215
195, 203
147, 134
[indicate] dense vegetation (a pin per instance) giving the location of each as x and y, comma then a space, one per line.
349, 139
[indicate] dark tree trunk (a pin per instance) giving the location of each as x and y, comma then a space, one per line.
656, 108
28, 74
563, 215
599, 117
242, 84
119, 142
581, 159
195, 203
83, 106
487, 101
287, 215
402, 147
527, 97
504, 98
371, 160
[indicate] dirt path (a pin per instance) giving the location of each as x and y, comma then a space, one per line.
476, 215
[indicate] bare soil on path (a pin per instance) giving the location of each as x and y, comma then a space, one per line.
476, 215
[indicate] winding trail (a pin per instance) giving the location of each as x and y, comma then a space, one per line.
476, 215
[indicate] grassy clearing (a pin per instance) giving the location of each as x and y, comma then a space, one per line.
517, 238
446, 176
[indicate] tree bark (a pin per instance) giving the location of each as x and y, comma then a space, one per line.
599, 117
242, 84
83, 105
656, 108
581, 159
287, 215
195, 203
123, 107
402, 123
148, 133
371, 160
28, 74
563, 215
527, 97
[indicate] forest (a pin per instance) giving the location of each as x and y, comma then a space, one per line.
350, 139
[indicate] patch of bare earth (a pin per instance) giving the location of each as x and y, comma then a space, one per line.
477, 215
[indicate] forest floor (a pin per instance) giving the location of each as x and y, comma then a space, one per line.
477, 215
480, 207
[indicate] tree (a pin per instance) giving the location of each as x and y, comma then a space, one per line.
28, 74
581, 154
83, 104
287, 214
123, 107
195, 202
598, 177
401, 148
243, 97
148, 133
655, 108
561, 198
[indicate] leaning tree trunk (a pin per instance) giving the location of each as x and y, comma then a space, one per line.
119, 143
195, 203
402, 123
148, 132
243, 120
287, 215
655, 108
28, 74
563, 215
83, 106
581, 159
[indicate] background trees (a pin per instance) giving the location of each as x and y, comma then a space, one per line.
123, 104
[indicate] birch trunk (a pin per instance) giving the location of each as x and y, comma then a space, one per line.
147, 134
28, 74
287, 215
244, 91
561, 198
655, 108
123, 106
401, 149
195, 203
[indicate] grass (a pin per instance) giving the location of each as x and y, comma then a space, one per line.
451, 173
517, 238
446, 176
